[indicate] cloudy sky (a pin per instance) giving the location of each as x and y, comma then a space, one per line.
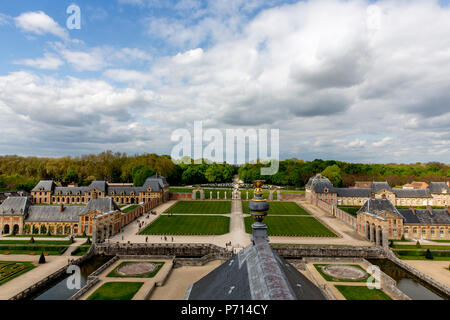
355, 80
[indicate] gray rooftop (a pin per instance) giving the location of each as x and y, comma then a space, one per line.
255, 273
378, 207
15, 206
438, 187
423, 216
44, 185
103, 205
54, 214
353, 192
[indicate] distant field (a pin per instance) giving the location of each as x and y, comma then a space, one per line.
362, 293
292, 227
201, 207
280, 208
188, 225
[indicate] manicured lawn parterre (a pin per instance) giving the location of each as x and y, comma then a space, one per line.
280, 208
116, 291
292, 227
26, 247
188, 225
420, 255
201, 207
114, 274
10, 270
362, 293
332, 279
82, 250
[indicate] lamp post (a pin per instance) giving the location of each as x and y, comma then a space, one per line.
258, 209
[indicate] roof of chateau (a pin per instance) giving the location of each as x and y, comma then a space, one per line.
156, 183
320, 184
15, 206
424, 216
379, 207
255, 273
54, 214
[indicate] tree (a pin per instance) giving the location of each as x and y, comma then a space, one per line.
429, 255
32, 240
140, 173
42, 258
418, 245
333, 173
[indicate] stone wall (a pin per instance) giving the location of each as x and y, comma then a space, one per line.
290, 252
291, 196
171, 249
180, 196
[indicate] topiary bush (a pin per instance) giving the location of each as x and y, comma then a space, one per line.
32, 240
418, 245
42, 258
429, 255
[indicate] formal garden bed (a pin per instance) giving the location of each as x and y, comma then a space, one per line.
10, 270
188, 225
362, 293
201, 207
292, 227
342, 272
280, 208
136, 269
83, 249
116, 291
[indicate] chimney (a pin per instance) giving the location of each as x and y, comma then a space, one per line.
61, 208
430, 209
413, 210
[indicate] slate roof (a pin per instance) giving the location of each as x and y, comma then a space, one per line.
65, 191
319, 183
379, 186
412, 193
101, 186
44, 185
15, 206
353, 192
54, 214
103, 205
378, 207
423, 216
437, 187
255, 273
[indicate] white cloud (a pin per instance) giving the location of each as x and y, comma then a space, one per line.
48, 62
189, 56
383, 142
4, 19
40, 23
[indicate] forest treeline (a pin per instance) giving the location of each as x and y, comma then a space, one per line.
18, 172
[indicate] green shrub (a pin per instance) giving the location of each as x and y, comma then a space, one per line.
418, 245
42, 258
429, 255
32, 240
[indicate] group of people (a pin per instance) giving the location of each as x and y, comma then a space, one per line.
165, 238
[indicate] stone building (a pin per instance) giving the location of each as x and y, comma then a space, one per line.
379, 220
99, 218
155, 187
320, 188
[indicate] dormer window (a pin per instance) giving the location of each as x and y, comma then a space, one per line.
326, 190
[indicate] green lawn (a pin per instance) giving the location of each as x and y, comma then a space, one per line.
81, 250
37, 242
280, 208
201, 207
332, 279
292, 227
33, 249
116, 291
350, 209
188, 225
36, 236
292, 191
180, 190
114, 274
420, 254
413, 246
214, 193
130, 208
362, 293
10, 270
